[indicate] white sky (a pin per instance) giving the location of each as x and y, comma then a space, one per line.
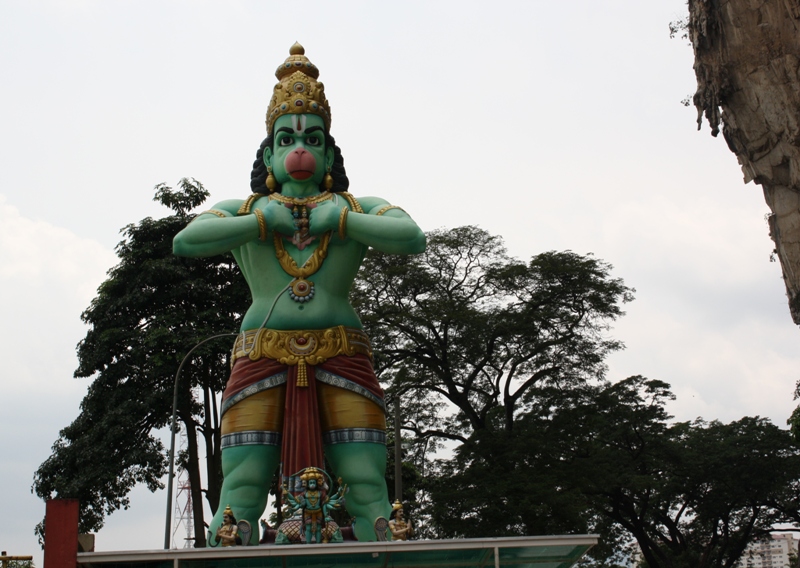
555, 124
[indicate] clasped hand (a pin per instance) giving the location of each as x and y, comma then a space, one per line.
322, 217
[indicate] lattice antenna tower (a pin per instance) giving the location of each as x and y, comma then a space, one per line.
184, 513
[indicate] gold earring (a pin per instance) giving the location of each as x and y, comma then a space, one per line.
271, 183
327, 181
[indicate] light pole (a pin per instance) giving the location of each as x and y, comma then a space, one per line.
172, 436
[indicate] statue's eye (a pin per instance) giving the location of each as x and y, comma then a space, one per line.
313, 141
285, 141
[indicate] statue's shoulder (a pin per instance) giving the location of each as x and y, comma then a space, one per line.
370, 203
242, 206
378, 206
231, 206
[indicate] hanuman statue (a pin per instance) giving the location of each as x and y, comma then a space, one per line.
302, 386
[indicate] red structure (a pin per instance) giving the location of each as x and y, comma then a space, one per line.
61, 534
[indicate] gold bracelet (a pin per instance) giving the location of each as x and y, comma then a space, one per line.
262, 224
387, 208
343, 222
216, 212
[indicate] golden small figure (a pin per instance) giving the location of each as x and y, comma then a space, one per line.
228, 532
399, 527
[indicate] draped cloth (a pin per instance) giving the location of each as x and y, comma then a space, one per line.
301, 445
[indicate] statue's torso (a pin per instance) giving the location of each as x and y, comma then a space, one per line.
228, 531
312, 500
332, 282
398, 527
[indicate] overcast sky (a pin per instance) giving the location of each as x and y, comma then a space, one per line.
557, 125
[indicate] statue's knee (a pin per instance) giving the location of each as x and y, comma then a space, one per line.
248, 471
367, 485
358, 460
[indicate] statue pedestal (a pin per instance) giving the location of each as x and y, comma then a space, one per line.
519, 552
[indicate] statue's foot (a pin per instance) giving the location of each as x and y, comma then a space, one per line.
381, 526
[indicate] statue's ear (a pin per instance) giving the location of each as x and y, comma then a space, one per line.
268, 156
328, 158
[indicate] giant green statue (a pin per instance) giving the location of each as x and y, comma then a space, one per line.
302, 384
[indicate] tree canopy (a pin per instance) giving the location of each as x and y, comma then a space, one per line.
152, 309
692, 494
504, 361
474, 341
471, 326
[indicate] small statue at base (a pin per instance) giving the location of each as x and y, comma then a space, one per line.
315, 507
398, 526
228, 532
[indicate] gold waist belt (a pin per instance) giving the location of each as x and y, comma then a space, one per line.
301, 347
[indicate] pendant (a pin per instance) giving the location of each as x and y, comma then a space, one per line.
301, 290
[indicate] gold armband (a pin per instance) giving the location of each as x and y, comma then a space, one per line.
216, 212
354, 204
387, 208
262, 224
248, 203
343, 223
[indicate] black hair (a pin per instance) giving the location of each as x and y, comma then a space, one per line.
258, 177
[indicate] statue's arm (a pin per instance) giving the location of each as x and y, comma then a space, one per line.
392, 231
217, 231
290, 499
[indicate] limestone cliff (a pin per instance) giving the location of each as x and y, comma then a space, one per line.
747, 59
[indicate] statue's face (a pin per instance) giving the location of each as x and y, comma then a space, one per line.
299, 154
226, 520
399, 514
312, 483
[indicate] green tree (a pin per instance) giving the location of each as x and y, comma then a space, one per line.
153, 308
692, 494
481, 330
504, 360
609, 445
470, 337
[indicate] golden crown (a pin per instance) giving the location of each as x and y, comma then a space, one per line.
312, 473
298, 91
397, 505
228, 511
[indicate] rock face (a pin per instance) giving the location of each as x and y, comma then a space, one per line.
747, 63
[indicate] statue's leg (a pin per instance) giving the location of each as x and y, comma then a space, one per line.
318, 529
250, 454
354, 435
308, 532
362, 466
247, 471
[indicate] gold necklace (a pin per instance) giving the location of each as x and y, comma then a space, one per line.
301, 290
299, 207
300, 201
